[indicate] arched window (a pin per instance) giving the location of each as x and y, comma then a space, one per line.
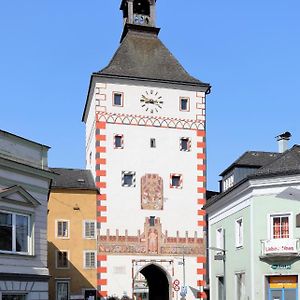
141, 7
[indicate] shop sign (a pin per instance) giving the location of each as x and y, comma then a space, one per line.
283, 282
276, 246
281, 267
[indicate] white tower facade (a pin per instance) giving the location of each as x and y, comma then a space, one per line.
145, 144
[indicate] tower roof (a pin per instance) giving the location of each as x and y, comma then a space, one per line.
142, 55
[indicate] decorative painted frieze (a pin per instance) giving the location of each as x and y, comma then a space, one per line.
152, 242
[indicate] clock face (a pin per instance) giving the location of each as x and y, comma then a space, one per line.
151, 101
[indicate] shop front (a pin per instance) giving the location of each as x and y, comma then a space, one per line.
282, 288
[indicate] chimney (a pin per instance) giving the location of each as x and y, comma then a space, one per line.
282, 140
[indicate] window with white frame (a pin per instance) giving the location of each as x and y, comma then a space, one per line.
280, 226
220, 238
228, 183
62, 259
62, 228
90, 259
62, 290
239, 236
89, 229
240, 286
15, 235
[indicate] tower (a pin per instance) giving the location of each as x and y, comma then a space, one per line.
145, 144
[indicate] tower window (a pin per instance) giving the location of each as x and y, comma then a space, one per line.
184, 104
185, 144
128, 179
176, 181
118, 141
117, 99
141, 7
152, 143
152, 221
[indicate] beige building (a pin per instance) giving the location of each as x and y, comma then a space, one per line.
72, 241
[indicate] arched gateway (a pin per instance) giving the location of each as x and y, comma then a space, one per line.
152, 283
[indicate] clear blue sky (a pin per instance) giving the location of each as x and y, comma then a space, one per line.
248, 50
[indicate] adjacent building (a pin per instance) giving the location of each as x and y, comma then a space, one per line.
24, 188
72, 240
145, 145
254, 228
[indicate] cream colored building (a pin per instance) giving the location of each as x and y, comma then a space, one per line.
72, 239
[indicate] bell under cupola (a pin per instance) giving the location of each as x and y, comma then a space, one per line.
139, 15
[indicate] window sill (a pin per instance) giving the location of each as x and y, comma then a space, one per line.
17, 254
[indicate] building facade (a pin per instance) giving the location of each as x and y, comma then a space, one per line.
256, 220
72, 242
145, 144
24, 189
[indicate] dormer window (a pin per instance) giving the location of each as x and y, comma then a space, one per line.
228, 183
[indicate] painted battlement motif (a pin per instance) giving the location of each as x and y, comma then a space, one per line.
152, 242
139, 120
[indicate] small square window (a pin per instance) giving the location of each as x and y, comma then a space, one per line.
184, 104
185, 144
118, 141
176, 181
62, 261
128, 179
152, 143
117, 99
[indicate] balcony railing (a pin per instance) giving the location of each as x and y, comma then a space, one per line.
280, 248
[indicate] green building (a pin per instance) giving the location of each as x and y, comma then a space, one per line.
254, 228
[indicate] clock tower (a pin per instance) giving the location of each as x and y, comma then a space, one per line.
145, 145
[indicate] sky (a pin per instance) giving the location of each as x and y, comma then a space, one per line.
249, 51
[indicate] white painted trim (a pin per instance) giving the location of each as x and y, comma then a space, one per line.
290, 215
30, 240
84, 259
230, 210
239, 244
68, 258
68, 229
83, 229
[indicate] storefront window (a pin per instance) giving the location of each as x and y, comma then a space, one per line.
13, 297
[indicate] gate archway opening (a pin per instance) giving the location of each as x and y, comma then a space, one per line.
152, 283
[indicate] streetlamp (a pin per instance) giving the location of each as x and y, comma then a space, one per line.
221, 255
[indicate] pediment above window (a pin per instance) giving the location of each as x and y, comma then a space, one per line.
17, 195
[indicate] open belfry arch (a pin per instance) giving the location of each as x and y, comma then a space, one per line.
145, 144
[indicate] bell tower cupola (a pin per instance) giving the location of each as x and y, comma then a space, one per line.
139, 15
